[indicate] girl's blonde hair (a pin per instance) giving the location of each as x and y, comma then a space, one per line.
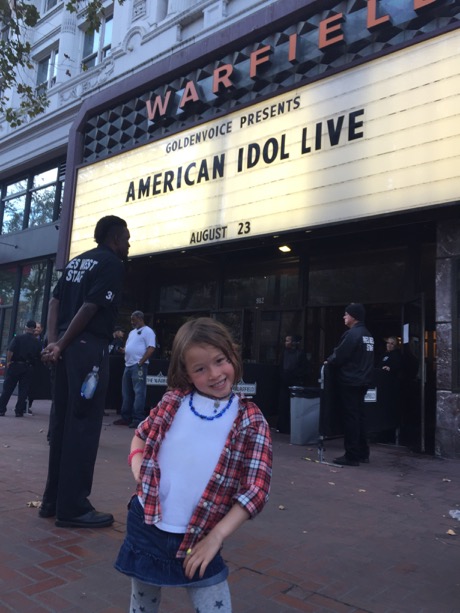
201, 331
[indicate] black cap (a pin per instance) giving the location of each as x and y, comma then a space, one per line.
31, 324
356, 310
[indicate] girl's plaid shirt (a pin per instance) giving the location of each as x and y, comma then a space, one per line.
242, 475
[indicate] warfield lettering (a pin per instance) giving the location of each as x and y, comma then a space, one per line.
329, 33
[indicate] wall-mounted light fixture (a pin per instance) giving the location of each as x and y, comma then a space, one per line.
284, 248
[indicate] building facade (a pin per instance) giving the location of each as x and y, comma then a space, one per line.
224, 131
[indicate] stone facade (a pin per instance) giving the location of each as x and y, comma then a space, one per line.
447, 398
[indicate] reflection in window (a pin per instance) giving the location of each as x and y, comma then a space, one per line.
279, 288
31, 292
97, 45
7, 285
44, 178
330, 280
7, 282
16, 188
193, 295
32, 201
13, 214
5, 319
42, 206
43, 200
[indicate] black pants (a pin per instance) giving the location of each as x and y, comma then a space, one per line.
20, 374
354, 422
75, 426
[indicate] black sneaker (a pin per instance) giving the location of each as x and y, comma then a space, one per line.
344, 461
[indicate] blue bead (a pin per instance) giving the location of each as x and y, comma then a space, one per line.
195, 412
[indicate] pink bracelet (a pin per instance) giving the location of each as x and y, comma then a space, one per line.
132, 454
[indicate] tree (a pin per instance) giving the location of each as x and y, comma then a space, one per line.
15, 19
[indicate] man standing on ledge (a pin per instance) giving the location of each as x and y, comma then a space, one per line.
81, 318
353, 359
138, 349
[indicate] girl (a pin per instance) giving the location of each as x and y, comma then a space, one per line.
202, 460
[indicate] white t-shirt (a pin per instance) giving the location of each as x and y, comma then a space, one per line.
137, 343
188, 456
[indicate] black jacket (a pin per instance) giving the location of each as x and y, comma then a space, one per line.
354, 357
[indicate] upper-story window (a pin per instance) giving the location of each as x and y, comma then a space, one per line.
49, 4
97, 45
31, 200
47, 70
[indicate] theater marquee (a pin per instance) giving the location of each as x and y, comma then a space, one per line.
373, 140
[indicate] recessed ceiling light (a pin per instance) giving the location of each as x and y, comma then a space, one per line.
284, 248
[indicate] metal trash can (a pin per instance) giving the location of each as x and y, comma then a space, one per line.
305, 403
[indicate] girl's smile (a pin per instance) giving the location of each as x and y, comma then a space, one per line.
209, 370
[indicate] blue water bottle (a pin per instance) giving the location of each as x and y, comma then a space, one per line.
90, 383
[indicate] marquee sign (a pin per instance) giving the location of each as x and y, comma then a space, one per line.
375, 140
330, 31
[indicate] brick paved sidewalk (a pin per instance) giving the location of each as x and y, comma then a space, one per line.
376, 538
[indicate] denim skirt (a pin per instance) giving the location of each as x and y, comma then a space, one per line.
149, 555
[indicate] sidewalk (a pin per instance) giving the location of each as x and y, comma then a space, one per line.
372, 539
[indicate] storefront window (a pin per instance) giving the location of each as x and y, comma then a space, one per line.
380, 277
31, 293
186, 296
5, 328
259, 289
7, 283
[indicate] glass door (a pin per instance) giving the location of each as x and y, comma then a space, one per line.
413, 432
5, 330
5, 327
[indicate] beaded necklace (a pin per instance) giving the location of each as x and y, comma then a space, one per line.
217, 415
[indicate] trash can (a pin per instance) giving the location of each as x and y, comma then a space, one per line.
304, 415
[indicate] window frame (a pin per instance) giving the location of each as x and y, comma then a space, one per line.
52, 58
104, 48
28, 190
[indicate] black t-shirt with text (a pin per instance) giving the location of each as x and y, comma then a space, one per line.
95, 276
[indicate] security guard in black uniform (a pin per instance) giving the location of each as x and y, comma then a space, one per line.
23, 353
